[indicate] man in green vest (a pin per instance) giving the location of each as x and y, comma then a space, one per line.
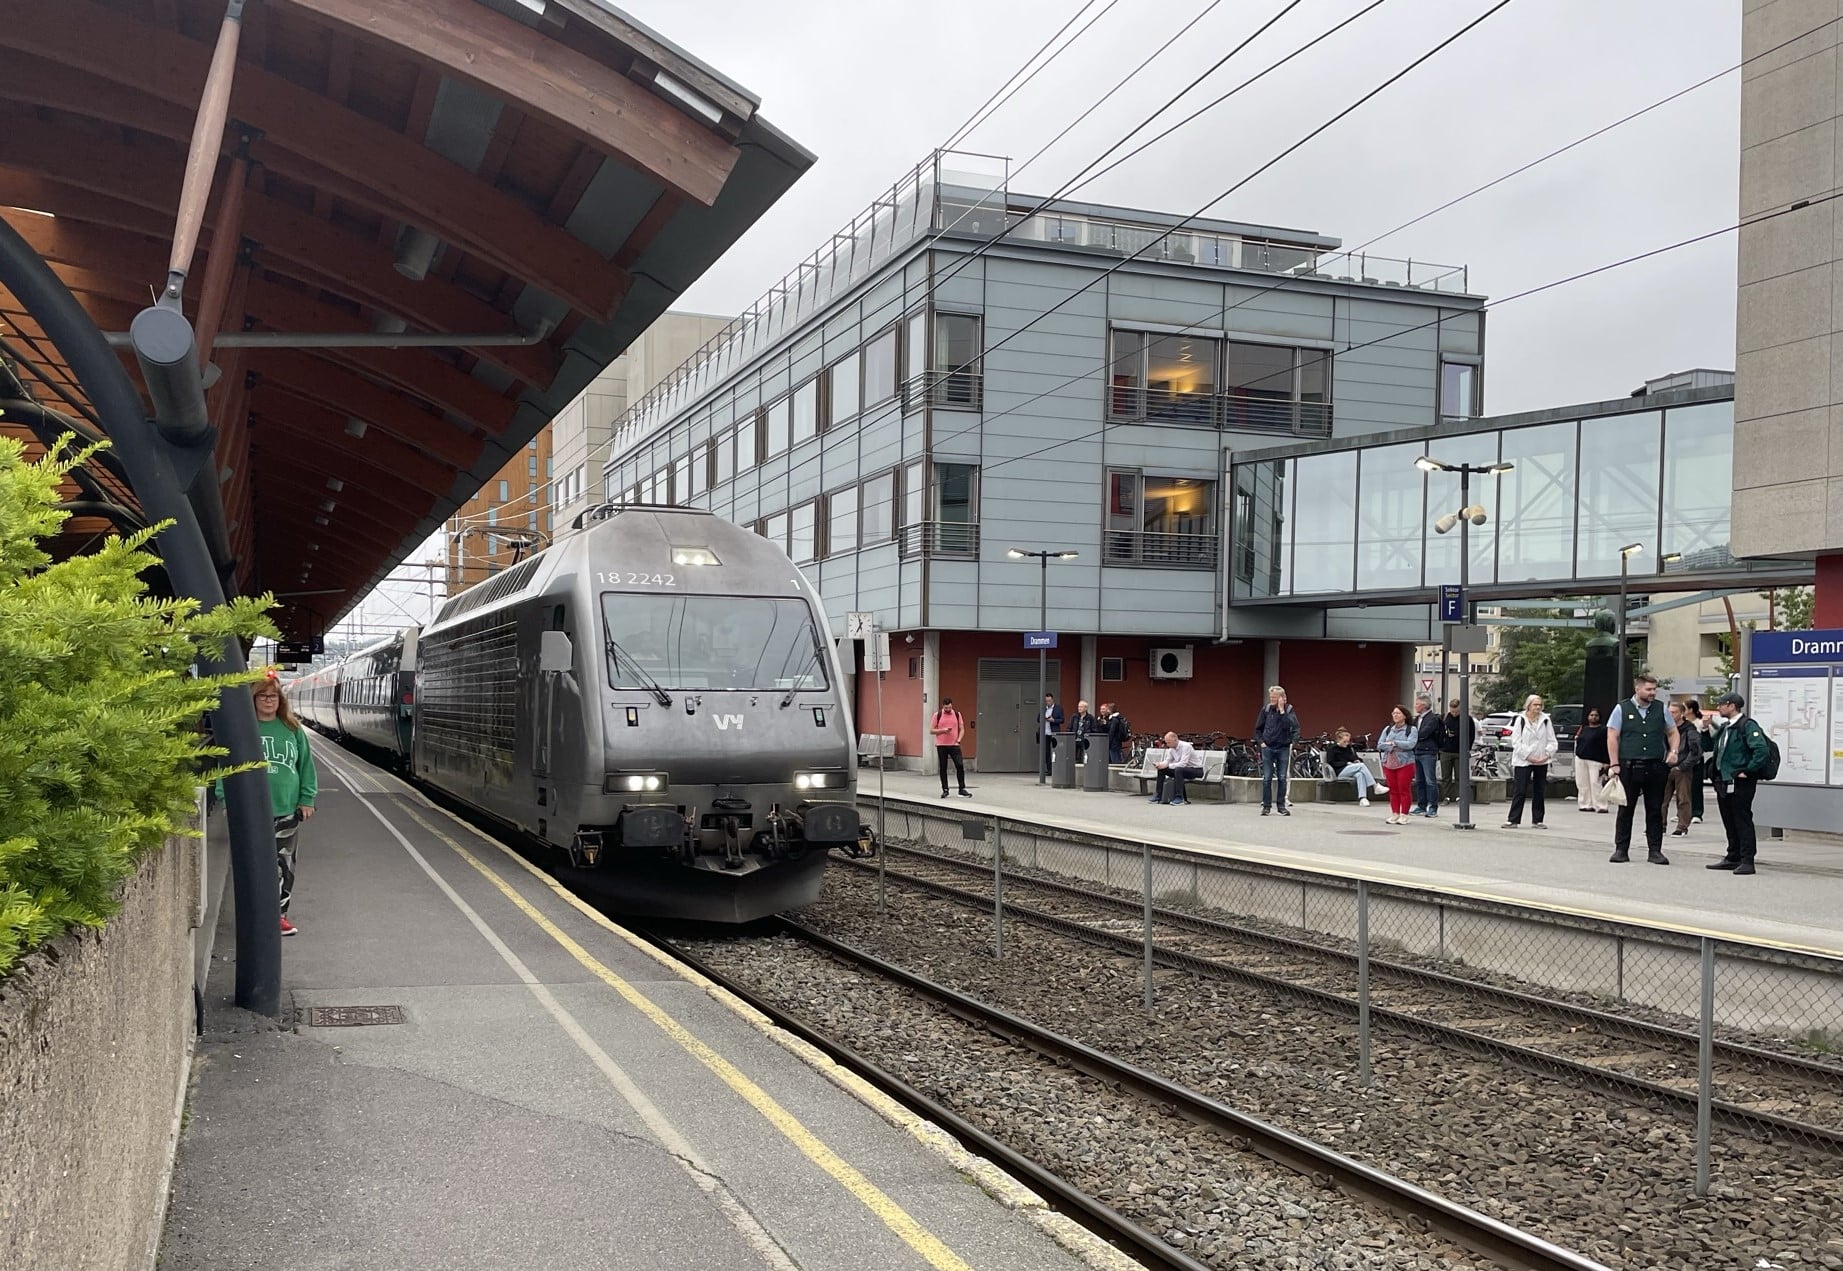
1641, 741
1741, 755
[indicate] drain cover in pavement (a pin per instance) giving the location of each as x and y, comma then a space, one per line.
352, 1016
1372, 833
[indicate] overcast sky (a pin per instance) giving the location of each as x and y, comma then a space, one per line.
872, 87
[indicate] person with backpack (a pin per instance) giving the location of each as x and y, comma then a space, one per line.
948, 727
1744, 756
1119, 733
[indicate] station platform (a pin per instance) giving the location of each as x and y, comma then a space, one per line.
1794, 902
556, 1094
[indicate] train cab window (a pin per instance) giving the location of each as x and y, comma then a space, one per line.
711, 643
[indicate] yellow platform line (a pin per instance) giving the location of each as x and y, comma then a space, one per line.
867, 1193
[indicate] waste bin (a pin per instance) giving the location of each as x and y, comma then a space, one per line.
1095, 774
1062, 763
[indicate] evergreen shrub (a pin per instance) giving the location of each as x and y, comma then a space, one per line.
100, 746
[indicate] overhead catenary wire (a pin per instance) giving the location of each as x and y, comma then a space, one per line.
1019, 78
1798, 206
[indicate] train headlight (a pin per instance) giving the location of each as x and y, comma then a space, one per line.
694, 556
817, 780
635, 782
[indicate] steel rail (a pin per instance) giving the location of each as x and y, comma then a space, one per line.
1734, 1116
1506, 1245
1063, 1196
1621, 1025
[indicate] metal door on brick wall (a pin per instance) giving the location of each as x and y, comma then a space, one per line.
1009, 709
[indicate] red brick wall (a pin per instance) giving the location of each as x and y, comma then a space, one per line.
1332, 683
902, 698
1329, 682
1223, 694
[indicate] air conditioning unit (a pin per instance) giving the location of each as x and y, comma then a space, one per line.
1171, 664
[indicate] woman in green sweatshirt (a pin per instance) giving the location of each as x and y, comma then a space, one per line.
293, 783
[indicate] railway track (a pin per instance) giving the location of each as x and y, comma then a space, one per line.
1612, 1053
1416, 1214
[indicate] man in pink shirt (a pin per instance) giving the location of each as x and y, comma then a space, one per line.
948, 726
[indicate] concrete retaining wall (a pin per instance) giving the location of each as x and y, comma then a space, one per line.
95, 1039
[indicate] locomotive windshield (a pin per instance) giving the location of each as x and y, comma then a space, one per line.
711, 642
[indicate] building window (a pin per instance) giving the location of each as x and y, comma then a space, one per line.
954, 379
1211, 382
802, 541
875, 524
1159, 520
1458, 390
1180, 378
842, 391
774, 529
505, 491
950, 526
1113, 670
805, 411
700, 469
531, 466
914, 494
880, 368
1126, 399
776, 422
723, 462
746, 456
842, 521
492, 516
681, 481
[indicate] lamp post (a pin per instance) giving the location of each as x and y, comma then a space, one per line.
1625, 556
1467, 516
1043, 559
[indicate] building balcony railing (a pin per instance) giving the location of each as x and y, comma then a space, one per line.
1222, 410
1186, 551
948, 390
938, 538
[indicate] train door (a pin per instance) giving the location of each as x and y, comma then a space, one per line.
1008, 711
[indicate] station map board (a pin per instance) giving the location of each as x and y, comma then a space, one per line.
1796, 695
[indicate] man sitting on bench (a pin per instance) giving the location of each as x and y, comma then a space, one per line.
1178, 766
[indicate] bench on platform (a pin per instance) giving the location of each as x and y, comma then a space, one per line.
1146, 775
875, 750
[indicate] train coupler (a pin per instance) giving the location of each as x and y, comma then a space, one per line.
585, 850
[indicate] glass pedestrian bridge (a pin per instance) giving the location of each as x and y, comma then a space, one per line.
1351, 521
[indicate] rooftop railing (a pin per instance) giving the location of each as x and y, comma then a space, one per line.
965, 194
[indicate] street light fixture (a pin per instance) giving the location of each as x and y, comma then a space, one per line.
1468, 515
1043, 558
1625, 556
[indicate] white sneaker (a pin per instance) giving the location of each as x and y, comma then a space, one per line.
1380, 788
1363, 803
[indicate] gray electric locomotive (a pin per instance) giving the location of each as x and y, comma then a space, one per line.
655, 696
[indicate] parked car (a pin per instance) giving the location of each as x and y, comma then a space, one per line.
1567, 719
1494, 729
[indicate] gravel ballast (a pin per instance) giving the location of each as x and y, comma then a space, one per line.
1593, 1172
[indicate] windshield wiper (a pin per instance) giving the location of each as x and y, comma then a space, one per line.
647, 682
819, 660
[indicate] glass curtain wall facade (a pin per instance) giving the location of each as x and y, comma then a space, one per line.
1360, 521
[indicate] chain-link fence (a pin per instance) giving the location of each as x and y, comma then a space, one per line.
1741, 1037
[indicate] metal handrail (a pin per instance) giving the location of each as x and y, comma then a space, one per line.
1152, 547
1230, 410
939, 538
951, 390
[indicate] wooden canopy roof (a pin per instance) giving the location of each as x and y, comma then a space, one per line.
545, 170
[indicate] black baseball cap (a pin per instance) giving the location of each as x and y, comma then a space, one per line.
1732, 699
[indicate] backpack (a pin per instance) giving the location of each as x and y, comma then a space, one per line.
1771, 770
1125, 727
